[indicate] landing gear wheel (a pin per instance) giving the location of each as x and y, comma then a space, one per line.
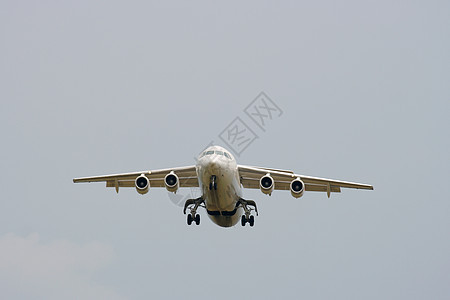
197, 219
189, 219
252, 221
210, 186
243, 220
215, 186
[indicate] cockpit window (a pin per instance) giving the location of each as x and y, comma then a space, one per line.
219, 152
227, 155
209, 152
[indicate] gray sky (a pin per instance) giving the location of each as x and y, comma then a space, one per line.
90, 88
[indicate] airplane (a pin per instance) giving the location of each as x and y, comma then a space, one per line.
220, 180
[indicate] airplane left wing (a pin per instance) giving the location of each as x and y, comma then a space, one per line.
187, 178
250, 177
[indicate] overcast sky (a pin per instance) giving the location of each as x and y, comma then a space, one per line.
99, 87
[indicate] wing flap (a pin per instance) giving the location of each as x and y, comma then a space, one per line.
123, 183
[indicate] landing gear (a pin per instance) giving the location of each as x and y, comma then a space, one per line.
196, 219
192, 205
250, 220
213, 183
247, 217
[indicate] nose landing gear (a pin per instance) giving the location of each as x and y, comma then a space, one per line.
212, 183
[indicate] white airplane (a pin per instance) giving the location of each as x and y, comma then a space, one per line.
221, 180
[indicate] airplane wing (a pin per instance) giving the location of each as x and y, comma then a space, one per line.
187, 178
250, 177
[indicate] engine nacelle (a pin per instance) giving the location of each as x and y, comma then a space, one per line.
266, 184
142, 184
172, 183
297, 188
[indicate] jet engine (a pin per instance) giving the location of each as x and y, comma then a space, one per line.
171, 182
142, 184
266, 184
297, 188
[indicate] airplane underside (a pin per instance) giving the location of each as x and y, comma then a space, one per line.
223, 207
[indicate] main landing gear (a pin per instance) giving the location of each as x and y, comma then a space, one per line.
247, 218
250, 220
192, 205
196, 219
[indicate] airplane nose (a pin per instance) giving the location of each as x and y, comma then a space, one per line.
214, 164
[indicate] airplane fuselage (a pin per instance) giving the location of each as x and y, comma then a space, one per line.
219, 181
